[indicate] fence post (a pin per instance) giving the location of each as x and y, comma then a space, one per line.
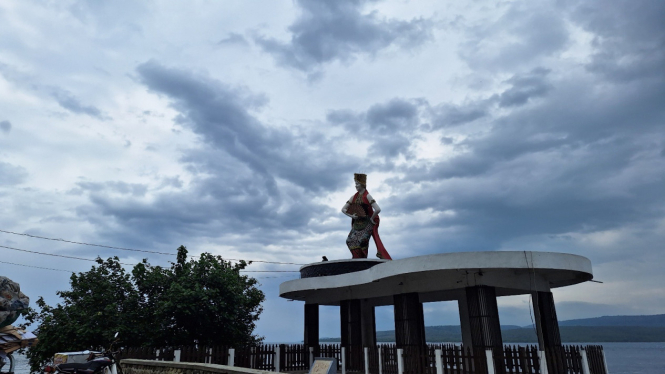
311, 357
543, 362
400, 361
277, 358
343, 360
585, 362
176, 355
366, 349
489, 355
380, 360
232, 357
439, 361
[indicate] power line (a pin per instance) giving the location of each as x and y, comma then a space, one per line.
123, 263
136, 250
81, 243
56, 255
38, 267
70, 271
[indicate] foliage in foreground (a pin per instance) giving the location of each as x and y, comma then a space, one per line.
204, 301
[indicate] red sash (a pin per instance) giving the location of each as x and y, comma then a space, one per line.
375, 232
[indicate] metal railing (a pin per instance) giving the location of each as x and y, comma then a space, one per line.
388, 359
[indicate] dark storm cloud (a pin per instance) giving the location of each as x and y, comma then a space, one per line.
5, 126
395, 115
250, 179
388, 126
338, 30
547, 169
525, 87
70, 102
561, 152
11, 175
524, 33
221, 115
629, 38
448, 115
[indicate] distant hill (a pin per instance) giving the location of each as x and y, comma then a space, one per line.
589, 330
657, 320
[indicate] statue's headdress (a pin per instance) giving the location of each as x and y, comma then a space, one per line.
360, 178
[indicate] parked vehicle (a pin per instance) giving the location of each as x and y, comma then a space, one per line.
95, 362
7, 358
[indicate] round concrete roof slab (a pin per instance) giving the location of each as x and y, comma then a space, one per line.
444, 276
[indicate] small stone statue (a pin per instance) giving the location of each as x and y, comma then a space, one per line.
364, 213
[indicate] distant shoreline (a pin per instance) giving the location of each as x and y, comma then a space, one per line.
569, 334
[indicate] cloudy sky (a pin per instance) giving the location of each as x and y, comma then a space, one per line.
235, 127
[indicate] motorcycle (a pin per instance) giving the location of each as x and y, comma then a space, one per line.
97, 363
4, 359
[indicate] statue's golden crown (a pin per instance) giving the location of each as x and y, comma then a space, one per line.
360, 178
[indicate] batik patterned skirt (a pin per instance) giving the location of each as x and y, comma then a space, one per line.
358, 239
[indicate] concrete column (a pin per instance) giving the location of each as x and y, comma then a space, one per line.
410, 330
350, 318
483, 316
312, 326
368, 324
409, 321
547, 324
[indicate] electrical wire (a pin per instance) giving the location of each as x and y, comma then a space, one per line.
69, 271
90, 244
32, 266
136, 250
532, 281
124, 263
56, 255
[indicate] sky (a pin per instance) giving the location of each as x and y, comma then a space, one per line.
235, 128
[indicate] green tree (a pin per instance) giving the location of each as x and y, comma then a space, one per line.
205, 301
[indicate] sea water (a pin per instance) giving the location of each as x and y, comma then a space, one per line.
622, 358
634, 358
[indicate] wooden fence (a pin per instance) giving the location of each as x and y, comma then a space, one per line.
387, 358
332, 351
521, 359
596, 358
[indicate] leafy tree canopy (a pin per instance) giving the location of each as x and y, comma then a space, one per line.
204, 301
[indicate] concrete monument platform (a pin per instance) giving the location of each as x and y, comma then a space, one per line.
473, 279
438, 277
